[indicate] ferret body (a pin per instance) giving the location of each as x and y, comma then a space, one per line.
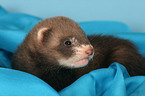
58, 51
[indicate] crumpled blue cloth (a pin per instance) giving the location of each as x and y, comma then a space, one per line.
112, 81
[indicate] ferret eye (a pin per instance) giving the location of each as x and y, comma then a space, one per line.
67, 43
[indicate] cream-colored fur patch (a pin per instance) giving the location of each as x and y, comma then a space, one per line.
79, 54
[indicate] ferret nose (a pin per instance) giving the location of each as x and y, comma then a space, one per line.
89, 51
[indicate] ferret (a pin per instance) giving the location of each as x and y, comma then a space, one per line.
58, 51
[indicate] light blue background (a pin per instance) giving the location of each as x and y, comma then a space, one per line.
131, 12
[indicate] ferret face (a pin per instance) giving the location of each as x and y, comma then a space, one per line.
73, 53
63, 39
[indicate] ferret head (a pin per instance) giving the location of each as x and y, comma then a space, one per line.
63, 40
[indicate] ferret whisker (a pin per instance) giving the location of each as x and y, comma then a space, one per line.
59, 68
93, 61
93, 37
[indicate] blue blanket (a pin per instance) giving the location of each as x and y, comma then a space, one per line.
112, 81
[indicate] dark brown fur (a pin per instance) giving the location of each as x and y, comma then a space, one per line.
109, 49
41, 60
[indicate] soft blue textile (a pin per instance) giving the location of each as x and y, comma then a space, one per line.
16, 83
91, 27
112, 81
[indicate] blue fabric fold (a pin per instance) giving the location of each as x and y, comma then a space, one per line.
2, 12
17, 83
91, 27
112, 81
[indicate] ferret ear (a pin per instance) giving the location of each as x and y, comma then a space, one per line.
43, 35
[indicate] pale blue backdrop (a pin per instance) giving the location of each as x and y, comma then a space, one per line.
131, 12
